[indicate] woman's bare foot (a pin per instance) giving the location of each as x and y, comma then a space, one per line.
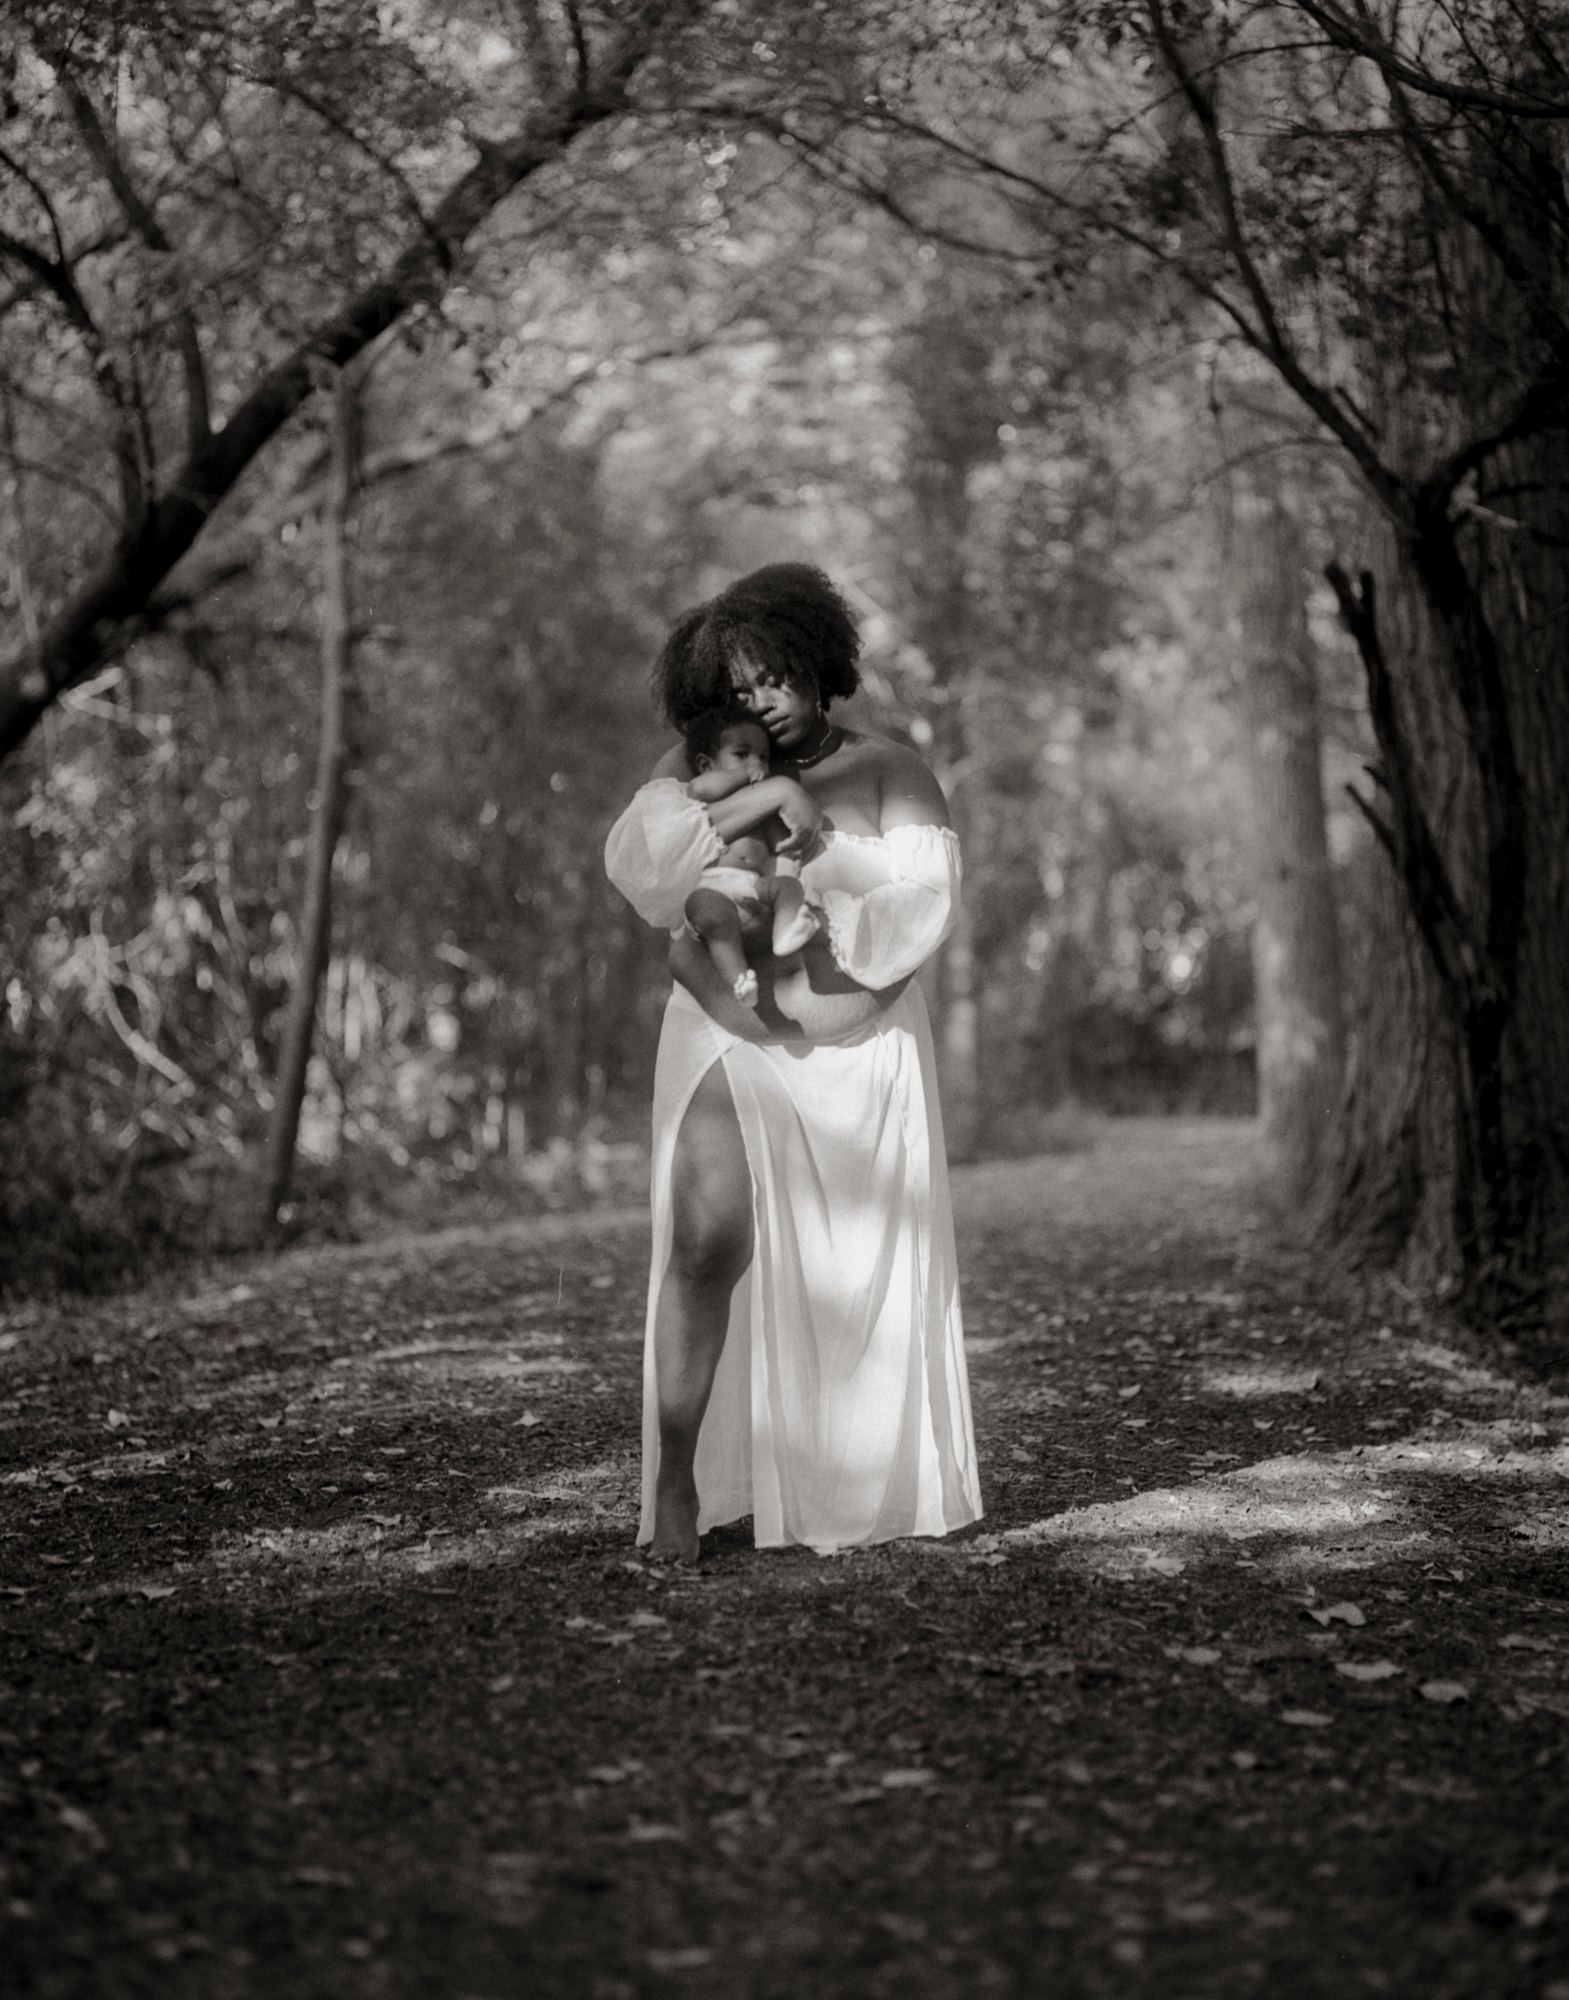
745, 988
675, 1522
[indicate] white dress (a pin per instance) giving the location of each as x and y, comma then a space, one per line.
840, 1412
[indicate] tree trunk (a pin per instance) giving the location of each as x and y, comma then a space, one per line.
327, 803
1296, 940
1461, 636
960, 1041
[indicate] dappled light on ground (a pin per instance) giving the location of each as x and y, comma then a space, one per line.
326, 1629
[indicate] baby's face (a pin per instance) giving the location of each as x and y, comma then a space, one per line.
743, 747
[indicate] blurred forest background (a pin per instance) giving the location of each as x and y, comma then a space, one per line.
1177, 392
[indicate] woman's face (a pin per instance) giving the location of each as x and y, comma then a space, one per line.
786, 709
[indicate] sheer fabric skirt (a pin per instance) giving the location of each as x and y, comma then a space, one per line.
840, 1412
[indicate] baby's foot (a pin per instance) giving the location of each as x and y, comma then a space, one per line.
800, 929
745, 988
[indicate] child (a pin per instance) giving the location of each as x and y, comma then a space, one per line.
735, 898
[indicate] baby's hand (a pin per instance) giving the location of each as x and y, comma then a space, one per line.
803, 817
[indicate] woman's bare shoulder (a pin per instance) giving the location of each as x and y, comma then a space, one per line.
908, 793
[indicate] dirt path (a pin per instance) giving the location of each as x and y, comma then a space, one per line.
329, 1668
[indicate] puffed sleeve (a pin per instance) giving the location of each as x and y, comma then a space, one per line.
882, 936
658, 848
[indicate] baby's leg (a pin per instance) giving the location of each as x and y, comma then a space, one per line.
794, 921
712, 917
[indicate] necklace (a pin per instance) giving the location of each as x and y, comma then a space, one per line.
816, 756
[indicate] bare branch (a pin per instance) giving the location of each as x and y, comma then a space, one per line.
100, 149
115, 595
1362, 41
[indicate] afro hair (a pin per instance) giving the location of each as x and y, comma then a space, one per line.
787, 620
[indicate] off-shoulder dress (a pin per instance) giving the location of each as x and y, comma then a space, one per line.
840, 1412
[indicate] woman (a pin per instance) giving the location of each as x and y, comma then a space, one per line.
799, 1147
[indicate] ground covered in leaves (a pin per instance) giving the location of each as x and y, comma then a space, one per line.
329, 1667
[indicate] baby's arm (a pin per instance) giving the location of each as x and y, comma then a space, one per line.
710, 786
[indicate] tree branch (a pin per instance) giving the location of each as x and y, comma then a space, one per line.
1345, 35
101, 151
117, 592
1407, 837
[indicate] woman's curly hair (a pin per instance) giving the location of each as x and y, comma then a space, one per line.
787, 620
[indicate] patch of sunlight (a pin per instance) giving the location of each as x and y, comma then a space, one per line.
1337, 1510
418, 1350
1295, 1497
470, 1361
1549, 1530
1462, 1371
123, 1465
370, 1546
586, 1497
1255, 1382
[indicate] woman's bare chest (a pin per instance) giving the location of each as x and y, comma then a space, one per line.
849, 795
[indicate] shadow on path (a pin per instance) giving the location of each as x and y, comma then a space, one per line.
329, 1667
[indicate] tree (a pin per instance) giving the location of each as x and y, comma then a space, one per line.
162, 215
334, 755
1296, 943
1369, 201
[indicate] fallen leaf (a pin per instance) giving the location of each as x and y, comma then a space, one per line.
1366, 1670
84, 1824
117, 1420
908, 1779
1444, 1691
384, 1520
648, 1830
1135, 1423
1076, 1771
1131, 1391
1198, 1656
527, 1421
323, 1878
680, 1958
1245, 1760
1345, 1614
1525, 1642
647, 1618
269, 1423
151, 1590
1305, 1718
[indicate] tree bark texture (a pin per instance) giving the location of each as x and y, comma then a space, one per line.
1296, 940
327, 804
1461, 629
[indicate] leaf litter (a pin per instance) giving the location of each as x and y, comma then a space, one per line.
1103, 1727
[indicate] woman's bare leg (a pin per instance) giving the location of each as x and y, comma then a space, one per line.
711, 1246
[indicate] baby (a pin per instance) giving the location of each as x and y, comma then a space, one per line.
742, 898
